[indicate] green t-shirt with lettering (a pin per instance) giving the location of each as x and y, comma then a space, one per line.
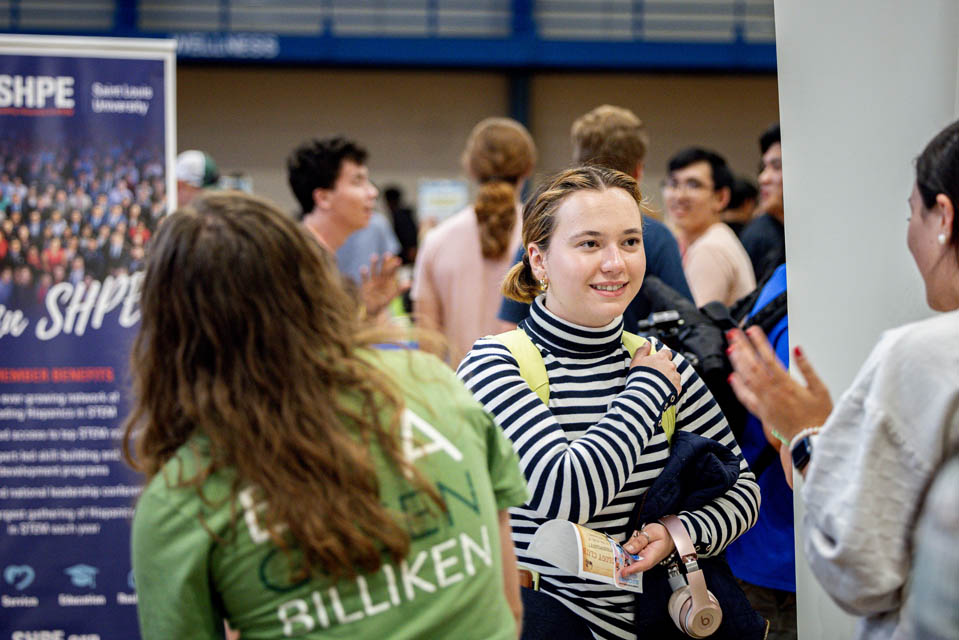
449, 586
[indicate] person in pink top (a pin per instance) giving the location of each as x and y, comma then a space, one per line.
696, 190
462, 262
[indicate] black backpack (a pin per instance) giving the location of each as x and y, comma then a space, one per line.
699, 334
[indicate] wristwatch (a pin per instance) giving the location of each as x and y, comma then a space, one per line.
802, 452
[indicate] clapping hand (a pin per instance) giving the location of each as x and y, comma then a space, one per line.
783, 404
379, 284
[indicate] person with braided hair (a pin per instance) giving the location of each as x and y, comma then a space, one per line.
462, 262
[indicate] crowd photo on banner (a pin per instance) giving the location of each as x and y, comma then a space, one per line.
76, 214
564, 411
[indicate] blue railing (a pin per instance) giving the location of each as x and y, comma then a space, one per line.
603, 34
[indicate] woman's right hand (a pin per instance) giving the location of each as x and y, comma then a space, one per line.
768, 391
661, 361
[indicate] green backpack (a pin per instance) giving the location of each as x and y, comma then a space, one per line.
533, 370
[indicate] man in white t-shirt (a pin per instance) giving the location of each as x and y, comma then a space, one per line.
696, 191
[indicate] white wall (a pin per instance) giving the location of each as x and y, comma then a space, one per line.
415, 123
863, 86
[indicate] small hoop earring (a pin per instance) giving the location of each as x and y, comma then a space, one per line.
942, 238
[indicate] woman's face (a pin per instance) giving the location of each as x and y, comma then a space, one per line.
935, 261
596, 260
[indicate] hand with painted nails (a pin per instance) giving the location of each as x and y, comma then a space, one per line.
781, 402
653, 543
661, 361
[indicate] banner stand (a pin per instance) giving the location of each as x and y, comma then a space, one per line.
87, 146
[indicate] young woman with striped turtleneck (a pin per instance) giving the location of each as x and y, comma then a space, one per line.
594, 449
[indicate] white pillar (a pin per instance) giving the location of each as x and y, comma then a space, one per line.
863, 86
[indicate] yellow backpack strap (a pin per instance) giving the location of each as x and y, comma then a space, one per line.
533, 370
530, 360
632, 342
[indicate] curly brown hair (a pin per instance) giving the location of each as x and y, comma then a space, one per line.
247, 338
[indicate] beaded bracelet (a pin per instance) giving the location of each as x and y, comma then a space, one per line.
779, 436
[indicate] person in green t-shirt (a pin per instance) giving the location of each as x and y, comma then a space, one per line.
300, 482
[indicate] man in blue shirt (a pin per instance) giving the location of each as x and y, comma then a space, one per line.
614, 137
764, 558
375, 239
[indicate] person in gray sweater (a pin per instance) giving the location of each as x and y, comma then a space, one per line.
866, 468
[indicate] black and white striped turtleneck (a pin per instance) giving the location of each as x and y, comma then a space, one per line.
591, 453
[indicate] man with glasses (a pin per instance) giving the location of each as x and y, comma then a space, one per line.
696, 191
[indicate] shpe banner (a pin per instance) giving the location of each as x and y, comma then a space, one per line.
86, 152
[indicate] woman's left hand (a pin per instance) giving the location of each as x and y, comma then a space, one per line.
769, 392
653, 549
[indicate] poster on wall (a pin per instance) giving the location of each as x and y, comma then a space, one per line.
86, 155
437, 200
